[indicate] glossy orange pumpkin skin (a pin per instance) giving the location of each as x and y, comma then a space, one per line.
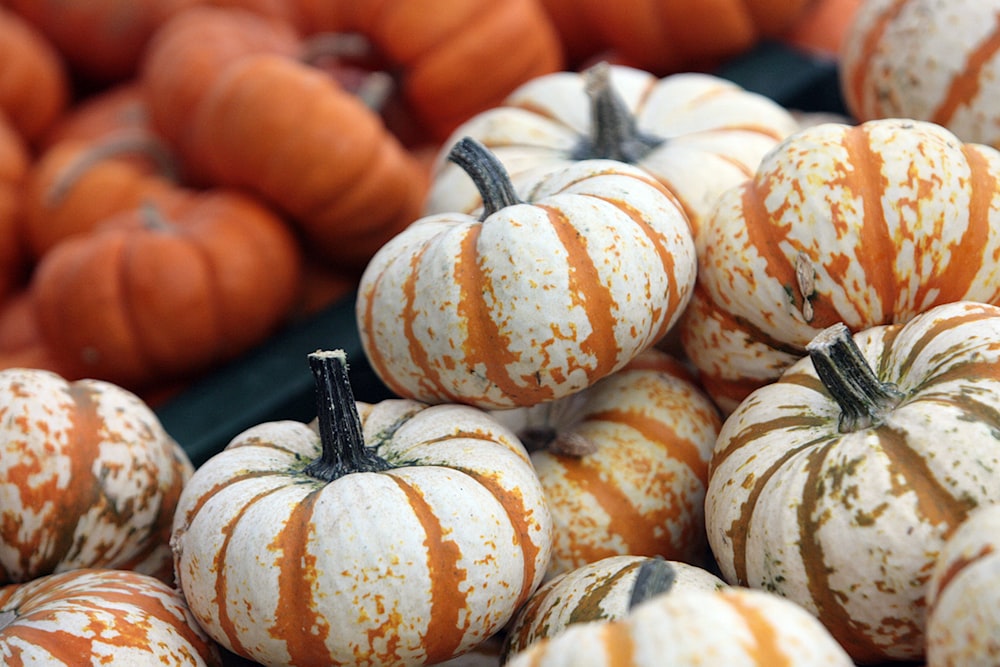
100, 40
138, 301
34, 89
670, 36
15, 160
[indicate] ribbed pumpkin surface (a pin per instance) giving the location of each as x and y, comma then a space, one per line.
866, 224
88, 478
537, 301
405, 566
99, 617
934, 60
849, 524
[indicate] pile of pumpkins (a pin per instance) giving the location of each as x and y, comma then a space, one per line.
681, 377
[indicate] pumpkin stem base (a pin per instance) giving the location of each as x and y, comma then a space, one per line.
7, 616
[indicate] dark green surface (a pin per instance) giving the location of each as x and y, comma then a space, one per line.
273, 382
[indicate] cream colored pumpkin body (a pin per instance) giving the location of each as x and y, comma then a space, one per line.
88, 478
963, 610
601, 590
864, 225
537, 301
641, 489
401, 567
100, 617
737, 627
849, 524
934, 60
715, 134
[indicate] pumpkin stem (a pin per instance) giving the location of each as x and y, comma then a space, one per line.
487, 173
7, 616
153, 219
354, 63
864, 400
614, 134
126, 142
343, 444
655, 576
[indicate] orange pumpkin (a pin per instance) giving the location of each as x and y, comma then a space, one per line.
101, 616
110, 110
75, 184
100, 40
159, 293
670, 36
89, 477
15, 159
822, 28
34, 88
327, 162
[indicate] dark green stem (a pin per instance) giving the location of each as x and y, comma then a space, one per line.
343, 443
487, 173
614, 134
655, 576
864, 400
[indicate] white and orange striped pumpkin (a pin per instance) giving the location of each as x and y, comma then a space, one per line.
88, 478
697, 134
963, 598
604, 590
838, 484
96, 616
866, 225
532, 300
736, 627
933, 60
398, 534
624, 463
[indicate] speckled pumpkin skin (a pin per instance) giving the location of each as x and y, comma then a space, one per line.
865, 225
963, 599
93, 616
536, 302
732, 626
596, 591
88, 478
408, 566
849, 524
934, 60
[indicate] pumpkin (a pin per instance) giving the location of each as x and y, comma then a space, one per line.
624, 463
100, 40
21, 342
88, 477
439, 51
116, 108
697, 134
34, 89
75, 185
671, 36
837, 484
393, 533
346, 191
459, 308
604, 590
963, 625
187, 52
866, 225
730, 626
15, 161
822, 27
931, 60
162, 292
100, 616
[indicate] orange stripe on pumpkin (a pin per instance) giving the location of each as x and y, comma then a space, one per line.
446, 620
857, 78
966, 84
